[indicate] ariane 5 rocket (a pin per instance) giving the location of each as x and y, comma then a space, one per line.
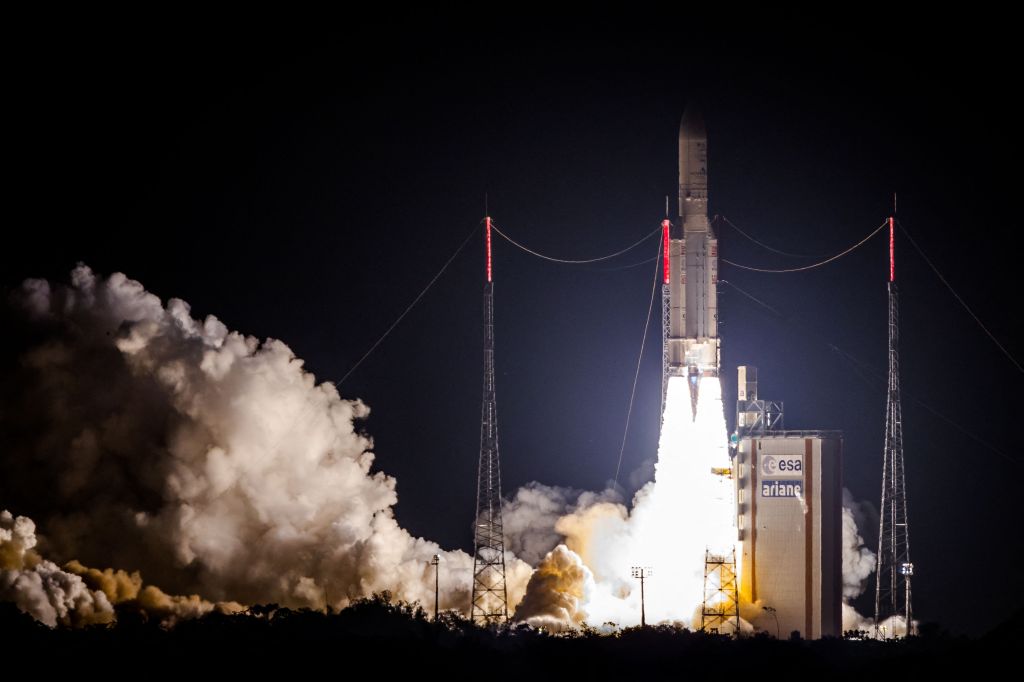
690, 261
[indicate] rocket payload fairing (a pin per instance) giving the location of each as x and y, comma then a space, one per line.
692, 347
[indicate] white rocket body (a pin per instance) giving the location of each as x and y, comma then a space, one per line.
692, 345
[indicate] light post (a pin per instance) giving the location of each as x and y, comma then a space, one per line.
907, 569
642, 572
436, 563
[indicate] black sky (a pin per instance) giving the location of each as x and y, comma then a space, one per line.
305, 185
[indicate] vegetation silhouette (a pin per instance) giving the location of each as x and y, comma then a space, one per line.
380, 634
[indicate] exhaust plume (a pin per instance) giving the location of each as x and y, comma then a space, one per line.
674, 519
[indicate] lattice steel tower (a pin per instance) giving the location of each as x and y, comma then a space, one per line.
490, 596
893, 569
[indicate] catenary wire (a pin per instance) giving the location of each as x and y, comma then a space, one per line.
877, 380
410, 307
731, 224
812, 265
571, 261
960, 300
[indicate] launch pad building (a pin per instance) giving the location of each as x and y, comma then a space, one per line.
789, 520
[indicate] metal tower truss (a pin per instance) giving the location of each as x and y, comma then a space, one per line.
893, 569
763, 416
489, 604
721, 594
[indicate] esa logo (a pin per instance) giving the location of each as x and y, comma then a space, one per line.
781, 465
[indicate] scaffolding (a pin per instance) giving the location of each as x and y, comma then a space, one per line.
721, 594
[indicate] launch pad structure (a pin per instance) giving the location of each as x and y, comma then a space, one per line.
785, 560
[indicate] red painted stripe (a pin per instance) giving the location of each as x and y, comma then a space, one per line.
664, 248
892, 251
488, 220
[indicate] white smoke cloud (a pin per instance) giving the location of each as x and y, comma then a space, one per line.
76, 595
39, 587
530, 517
210, 461
858, 560
557, 592
858, 564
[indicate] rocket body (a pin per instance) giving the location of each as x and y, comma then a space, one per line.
692, 346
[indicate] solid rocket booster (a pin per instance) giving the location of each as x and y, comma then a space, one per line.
692, 346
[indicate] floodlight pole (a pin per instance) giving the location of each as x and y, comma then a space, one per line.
436, 563
642, 572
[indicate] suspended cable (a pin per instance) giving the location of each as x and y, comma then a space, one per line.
878, 379
636, 376
960, 300
813, 265
411, 306
623, 267
753, 298
575, 262
763, 245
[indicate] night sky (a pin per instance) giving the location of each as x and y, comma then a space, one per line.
306, 185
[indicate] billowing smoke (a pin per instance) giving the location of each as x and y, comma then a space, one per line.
858, 564
531, 515
557, 592
39, 587
76, 595
141, 438
858, 560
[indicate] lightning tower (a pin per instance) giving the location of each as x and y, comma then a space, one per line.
490, 596
893, 569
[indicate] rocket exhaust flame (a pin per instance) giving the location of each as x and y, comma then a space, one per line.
675, 519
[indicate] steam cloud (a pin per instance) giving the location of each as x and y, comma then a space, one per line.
77, 595
39, 587
532, 515
141, 438
557, 592
858, 560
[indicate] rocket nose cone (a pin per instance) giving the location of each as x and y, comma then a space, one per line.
692, 125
